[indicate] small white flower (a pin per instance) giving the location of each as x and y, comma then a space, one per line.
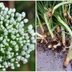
5, 12
30, 27
6, 9
16, 49
13, 43
29, 50
13, 32
1, 5
20, 38
31, 46
17, 53
9, 12
22, 58
9, 56
1, 38
1, 13
22, 44
9, 30
23, 14
4, 69
1, 45
16, 62
32, 38
7, 24
19, 57
27, 56
25, 20
16, 46
17, 39
8, 39
31, 32
17, 14
2, 27
23, 53
24, 41
5, 64
34, 41
13, 37
0, 65
17, 35
9, 49
14, 10
2, 50
6, 33
22, 23
12, 67
25, 61
18, 65
17, 25
12, 60
28, 41
3, 8
11, 21
9, 63
2, 18
25, 48
8, 52
12, 15
0, 58
27, 37
12, 54
5, 42
7, 16
1, 22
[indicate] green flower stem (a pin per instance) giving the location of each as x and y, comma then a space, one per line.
65, 25
48, 25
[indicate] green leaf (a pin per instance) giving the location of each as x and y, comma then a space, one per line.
60, 4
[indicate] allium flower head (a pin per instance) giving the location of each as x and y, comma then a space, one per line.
16, 41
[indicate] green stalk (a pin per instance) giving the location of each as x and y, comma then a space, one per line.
60, 4
39, 35
48, 25
40, 24
63, 31
65, 25
63, 35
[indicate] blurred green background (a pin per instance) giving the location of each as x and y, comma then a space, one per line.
29, 8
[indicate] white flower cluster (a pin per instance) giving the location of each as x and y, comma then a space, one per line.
16, 41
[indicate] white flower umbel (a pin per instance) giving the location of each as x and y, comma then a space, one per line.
16, 39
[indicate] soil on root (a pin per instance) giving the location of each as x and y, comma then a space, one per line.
51, 60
